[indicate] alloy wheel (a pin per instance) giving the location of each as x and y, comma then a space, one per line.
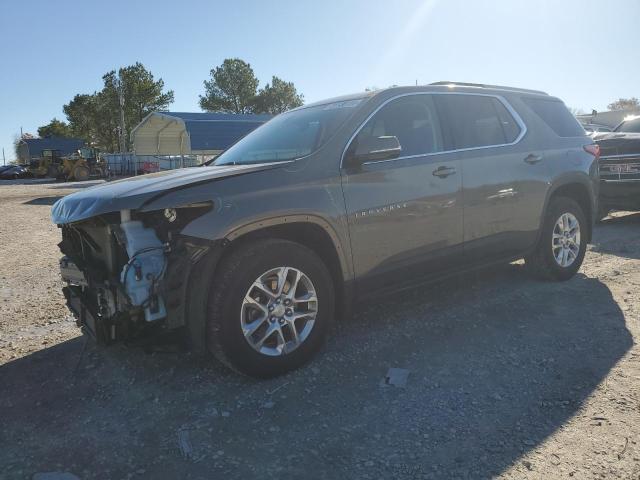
279, 311
565, 241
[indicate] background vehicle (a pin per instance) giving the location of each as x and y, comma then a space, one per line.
48, 165
620, 168
629, 125
14, 172
339, 200
81, 165
592, 128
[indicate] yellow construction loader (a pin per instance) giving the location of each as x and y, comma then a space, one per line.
48, 165
78, 166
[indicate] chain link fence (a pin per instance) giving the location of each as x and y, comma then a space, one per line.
126, 164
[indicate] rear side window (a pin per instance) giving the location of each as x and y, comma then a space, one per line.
556, 116
477, 121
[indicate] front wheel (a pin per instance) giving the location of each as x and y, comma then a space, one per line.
271, 306
562, 244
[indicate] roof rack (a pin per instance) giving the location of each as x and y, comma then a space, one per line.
480, 85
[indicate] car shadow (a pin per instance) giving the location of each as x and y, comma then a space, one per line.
497, 363
616, 234
43, 200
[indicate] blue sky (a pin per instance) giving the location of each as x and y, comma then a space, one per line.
583, 51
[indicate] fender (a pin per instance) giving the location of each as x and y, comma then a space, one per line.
202, 272
345, 266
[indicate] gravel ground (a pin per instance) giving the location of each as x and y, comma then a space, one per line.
509, 378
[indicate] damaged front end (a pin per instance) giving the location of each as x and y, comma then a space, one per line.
126, 272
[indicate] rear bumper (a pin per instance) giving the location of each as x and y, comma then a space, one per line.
620, 195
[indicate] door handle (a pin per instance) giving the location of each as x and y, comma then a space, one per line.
443, 171
532, 159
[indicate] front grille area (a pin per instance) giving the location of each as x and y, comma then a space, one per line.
620, 168
93, 245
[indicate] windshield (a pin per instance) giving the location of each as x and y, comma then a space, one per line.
630, 126
290, 135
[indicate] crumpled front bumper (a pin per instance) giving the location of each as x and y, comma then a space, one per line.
85, 317
94, 307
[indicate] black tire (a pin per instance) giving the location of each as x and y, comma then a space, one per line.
53, 171
542, 263
81, 173
237, 272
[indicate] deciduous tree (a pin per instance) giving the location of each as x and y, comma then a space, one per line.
96, 117
278, 97
55, 128
232, 88
624, 104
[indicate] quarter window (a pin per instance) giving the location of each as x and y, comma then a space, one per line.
477, 121
412, 119
556, 116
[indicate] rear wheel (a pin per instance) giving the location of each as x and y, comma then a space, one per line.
562, 243
271, 306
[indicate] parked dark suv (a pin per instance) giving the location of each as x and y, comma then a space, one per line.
254, 255
620, 167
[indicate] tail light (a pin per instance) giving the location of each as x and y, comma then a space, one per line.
593, 149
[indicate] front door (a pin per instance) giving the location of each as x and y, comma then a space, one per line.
405, 214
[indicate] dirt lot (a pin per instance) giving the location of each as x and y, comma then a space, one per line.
509, 378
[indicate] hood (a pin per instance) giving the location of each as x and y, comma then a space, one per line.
132, 193
618, 143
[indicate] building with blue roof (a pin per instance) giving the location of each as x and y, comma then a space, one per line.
31, 148
184, 133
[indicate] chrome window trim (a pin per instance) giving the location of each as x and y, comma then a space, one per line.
623, 180
627, 155
500, 98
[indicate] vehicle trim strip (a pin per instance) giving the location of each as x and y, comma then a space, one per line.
622, 180
628, 155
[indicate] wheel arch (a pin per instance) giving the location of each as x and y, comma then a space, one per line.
579, 190
308, 230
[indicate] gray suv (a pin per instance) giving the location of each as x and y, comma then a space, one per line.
252, 256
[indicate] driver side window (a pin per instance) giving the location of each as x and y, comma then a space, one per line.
412, 119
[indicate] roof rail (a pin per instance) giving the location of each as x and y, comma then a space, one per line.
480, 85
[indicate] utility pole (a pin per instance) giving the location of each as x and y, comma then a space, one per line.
120, 86
4, 160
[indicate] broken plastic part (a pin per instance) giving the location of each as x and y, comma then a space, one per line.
145, 269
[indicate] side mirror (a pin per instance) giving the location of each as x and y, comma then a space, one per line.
374, 149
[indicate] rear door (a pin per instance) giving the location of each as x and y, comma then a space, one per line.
405, 214
504, 188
